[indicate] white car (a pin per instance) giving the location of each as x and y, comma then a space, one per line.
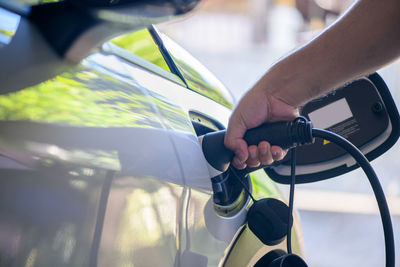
100, 163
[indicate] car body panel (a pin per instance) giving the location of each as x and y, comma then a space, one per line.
64, 146
139, 157
101, 166
197, 77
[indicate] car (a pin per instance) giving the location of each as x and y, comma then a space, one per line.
100, 163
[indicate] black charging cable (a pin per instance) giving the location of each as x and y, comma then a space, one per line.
246, 187
291, 199
298, 121
299, 133
376, 187
290, 135
291, 196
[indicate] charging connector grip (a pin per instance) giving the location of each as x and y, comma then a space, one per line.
285, 134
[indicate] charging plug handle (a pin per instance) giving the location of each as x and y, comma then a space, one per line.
285, 134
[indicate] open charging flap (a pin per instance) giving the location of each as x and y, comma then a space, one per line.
363, 112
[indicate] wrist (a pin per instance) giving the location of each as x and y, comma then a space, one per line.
295, 82
280, 110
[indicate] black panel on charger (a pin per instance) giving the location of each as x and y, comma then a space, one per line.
362, 112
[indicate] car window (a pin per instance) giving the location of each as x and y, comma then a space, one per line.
141, 43
198, 77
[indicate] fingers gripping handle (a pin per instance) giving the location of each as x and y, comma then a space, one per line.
285, 134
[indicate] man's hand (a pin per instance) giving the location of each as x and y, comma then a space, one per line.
254, 109
355, 45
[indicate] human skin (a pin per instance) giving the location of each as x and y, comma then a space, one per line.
363, 40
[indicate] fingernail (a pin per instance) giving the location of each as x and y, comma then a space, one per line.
275, 153
263, 150
237, 162
240, 157
253, 153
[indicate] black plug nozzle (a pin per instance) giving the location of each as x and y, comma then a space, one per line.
285, 134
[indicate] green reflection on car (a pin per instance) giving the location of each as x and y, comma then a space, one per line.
8, 33
81, 97
198, 77
263, 186
141, 44
197, 83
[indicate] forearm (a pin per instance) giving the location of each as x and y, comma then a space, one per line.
363, 40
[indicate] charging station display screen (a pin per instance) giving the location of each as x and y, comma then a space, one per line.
331, 114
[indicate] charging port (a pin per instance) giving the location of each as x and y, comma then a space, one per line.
229, 195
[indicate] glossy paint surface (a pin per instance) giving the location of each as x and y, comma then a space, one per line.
100, 166
94, 120
106, 119
198, 78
